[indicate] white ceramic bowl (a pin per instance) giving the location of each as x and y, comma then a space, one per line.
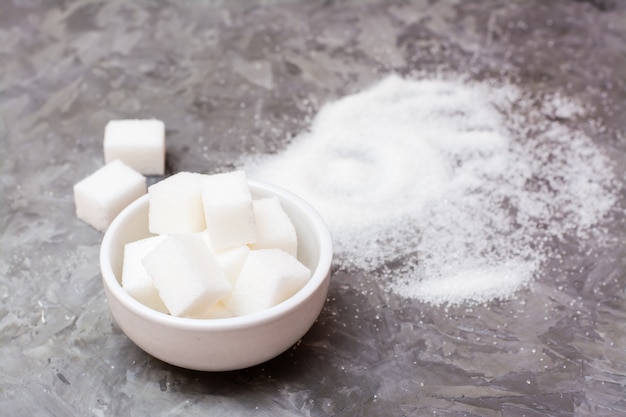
220, 344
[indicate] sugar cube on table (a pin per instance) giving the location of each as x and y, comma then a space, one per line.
267, 278
274, 227
186, 274
138, 143
175, 205
135, 279
101, 196
228, 211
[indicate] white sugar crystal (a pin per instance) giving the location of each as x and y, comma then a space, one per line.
176, 205
186, 274
231, 261
267, 278
102, 195
438, 184
135, 279
228, 209
138, 143
216, 311
274, 228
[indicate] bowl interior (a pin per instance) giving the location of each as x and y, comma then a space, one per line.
314, 244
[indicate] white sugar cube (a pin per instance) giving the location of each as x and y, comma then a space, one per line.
216, 311
268, 277
186, 274
274, 227
102, 195
228, 209
138, 143
135, 279
231, 260
176, 205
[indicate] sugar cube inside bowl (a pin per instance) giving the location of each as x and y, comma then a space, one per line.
220, 342
135, 279
186, 274
267, 278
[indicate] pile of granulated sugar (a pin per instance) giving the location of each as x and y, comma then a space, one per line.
451, 189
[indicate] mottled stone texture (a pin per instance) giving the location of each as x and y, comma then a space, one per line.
232, 79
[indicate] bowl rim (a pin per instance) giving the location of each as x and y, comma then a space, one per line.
318, 274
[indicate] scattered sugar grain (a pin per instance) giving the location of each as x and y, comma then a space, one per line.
453, 188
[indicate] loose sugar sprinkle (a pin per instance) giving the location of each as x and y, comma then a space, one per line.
452, 189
